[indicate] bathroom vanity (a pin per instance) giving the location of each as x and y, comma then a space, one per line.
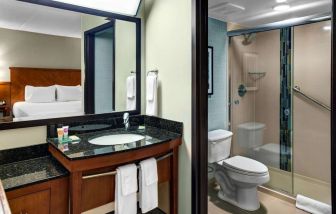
92, 167
47, 179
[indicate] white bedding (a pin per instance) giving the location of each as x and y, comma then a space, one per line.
29, 111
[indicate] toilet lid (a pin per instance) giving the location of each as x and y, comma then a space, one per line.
244, 164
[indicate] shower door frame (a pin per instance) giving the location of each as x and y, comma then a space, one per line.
333, 107
232, 100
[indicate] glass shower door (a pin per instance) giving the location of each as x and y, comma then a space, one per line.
260, 71
311, 136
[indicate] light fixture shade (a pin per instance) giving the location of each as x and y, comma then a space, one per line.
124, 7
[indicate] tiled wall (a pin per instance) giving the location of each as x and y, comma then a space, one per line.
218, 102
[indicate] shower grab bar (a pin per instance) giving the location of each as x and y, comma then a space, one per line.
298, 90
115, 172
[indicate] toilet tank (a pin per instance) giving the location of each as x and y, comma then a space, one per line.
250, 135
219, 145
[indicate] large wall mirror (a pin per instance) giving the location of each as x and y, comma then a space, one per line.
57, 63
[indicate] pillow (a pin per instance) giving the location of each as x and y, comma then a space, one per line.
40, 94
68, 93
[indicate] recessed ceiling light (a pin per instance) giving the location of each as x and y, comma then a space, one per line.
327, 28
125, 7
281, 7
281, 1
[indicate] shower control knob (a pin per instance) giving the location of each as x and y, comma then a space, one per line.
286, 111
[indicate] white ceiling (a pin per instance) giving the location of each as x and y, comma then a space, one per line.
252, 13
23, 16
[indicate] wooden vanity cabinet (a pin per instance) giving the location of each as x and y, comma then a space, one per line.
86, 194
50, 197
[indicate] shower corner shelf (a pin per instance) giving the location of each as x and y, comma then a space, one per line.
257, 75
251, 88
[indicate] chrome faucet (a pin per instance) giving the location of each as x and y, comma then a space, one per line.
126, 120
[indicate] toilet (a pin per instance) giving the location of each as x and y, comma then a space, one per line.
237, 176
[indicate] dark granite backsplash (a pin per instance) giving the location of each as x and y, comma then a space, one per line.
24, 153
117, 122
160, 123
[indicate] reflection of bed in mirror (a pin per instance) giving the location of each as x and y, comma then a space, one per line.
39, 106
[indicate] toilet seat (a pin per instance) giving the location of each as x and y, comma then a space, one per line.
246, 166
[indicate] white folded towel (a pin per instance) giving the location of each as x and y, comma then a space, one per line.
126, 187
131, 93
148, 182
151, 95
311, 205
131, 86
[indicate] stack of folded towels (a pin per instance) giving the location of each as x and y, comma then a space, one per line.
127, 187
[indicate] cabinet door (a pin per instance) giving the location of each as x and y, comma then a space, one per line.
34, 203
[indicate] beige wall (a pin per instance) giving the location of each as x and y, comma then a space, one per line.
168, 48
26, 49
15, 138
125, 59
312, 55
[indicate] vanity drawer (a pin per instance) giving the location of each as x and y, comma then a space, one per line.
38, 202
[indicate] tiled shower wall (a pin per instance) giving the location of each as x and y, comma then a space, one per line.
218, 102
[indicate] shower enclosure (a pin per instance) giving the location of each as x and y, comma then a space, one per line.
280, 90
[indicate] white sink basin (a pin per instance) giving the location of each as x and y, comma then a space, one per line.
116, 139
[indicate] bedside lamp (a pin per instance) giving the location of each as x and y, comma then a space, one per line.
2, 77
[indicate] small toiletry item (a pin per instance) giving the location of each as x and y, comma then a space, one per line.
74, 139
65, 147
65, 132
60, 134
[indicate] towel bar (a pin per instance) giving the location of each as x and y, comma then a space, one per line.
156, 71
115, 172
298, 90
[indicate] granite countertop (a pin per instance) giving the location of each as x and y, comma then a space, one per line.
83, 149
26, 172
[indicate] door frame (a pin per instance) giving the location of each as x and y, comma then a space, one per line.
200, 107
89, 57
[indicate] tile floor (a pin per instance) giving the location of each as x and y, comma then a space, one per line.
269, 205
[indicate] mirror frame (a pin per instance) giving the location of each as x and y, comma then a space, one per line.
82, 118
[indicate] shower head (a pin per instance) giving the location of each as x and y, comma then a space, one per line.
248, 38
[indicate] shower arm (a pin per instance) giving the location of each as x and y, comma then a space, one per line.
298, 90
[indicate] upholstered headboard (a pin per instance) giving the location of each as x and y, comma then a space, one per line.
20, 77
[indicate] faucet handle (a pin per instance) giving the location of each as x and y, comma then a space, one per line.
126, 116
